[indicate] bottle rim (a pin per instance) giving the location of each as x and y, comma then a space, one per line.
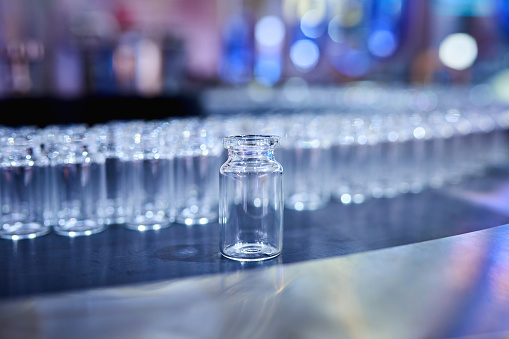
251, 141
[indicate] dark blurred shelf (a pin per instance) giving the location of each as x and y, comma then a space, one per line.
95, 109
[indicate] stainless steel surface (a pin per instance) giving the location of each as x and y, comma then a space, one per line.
119, 256
403, 285
451, 287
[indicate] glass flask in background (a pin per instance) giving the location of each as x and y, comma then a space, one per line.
487, 125
460, 146
498, 151
414, 164
305, 154
51, 137
481, 126
442, 133
22, 187
360, 165
110, 145
146, 184
342, 150
453, 148
198, 156
79, 178
467, 145
251, 199
387, 158
375, 155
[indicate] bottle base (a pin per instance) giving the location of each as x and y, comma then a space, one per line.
306, 202
190, 219
149, 221
19, 231
76, 228
250, 252
146, 226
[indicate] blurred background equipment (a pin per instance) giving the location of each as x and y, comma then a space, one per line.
72, 50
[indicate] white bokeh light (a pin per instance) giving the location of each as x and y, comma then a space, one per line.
500, 83
270, 31
335, 30
304, 54
311, 23
458, 51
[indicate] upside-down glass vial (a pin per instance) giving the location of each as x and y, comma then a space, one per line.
251, 199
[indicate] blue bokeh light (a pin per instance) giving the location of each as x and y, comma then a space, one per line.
304, 54
352, 63
382, 43
267, 71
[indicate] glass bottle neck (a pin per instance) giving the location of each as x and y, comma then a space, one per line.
236, 154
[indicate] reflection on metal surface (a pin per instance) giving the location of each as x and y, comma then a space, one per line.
452, 287
119, 257
491, 195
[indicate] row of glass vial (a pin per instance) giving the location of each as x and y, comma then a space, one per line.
352, 156
146, 175
78, 180
390, 154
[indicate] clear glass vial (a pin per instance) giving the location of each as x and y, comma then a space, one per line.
79, 179
110, 145
22, 186
147, 176
306, 155
251, 199
198, 156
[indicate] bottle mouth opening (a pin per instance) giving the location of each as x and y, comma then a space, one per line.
252, 141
